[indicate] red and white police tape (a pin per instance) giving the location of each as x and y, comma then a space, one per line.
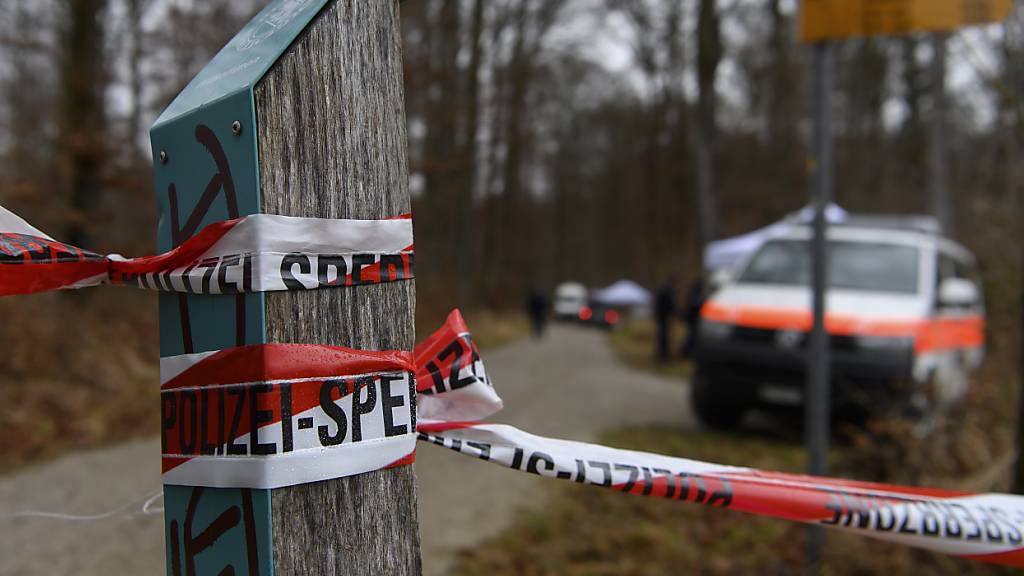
275, 415
451, 382
258, 253
987, 527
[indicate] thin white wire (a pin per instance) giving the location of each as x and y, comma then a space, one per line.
128, 510
147, 511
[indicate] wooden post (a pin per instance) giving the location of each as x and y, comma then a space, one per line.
301, 114
332, 144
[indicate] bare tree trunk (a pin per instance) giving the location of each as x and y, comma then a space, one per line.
136, 9
492, 203
83, 78
532, 21
441, 160
470, 142
514, 132
783, 101
709, 53
911, 80
29, 158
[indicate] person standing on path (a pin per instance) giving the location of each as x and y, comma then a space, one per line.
695, 297
664, 309
537, 309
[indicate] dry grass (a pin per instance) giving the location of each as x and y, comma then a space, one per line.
633, 342
80, 370
490, 328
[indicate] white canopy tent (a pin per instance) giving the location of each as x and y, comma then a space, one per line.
624, 294
727, 253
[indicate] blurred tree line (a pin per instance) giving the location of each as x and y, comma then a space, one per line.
81, 81
539, 159
550, 140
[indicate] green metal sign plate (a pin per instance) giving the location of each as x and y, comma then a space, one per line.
210, 175
209, 529
205, 150
246, 58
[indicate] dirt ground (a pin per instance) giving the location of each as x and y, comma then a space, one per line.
566, 385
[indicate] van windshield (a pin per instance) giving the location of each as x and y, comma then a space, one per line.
873, 267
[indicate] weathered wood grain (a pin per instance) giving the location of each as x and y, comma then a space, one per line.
332, 143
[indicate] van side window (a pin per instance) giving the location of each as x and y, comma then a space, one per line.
947, 268
965, 271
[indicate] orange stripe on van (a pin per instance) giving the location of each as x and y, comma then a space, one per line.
930, 335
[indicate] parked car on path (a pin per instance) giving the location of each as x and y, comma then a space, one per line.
904, 315
570, 298
600, 315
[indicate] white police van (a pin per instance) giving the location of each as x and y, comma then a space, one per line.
904, 314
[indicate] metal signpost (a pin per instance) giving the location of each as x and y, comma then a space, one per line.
302, 75
822, 22
817, 408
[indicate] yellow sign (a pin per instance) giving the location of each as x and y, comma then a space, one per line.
836, 19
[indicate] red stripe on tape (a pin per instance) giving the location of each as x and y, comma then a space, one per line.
263, 362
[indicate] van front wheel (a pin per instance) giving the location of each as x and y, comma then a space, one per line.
712, 404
